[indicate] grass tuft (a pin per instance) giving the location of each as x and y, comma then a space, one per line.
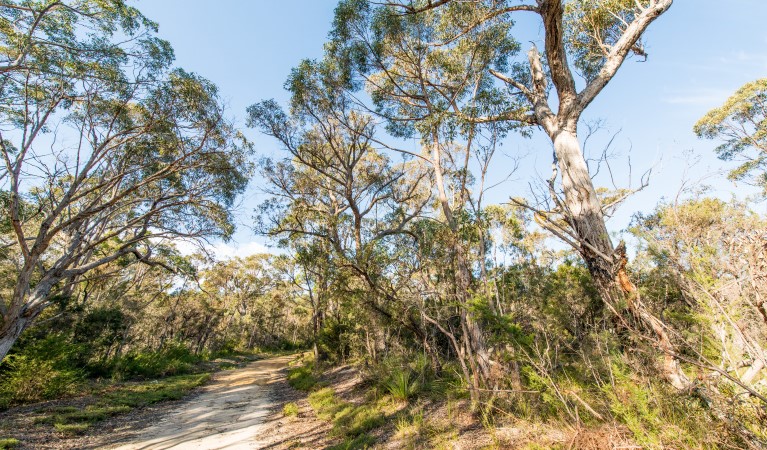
302, 378
72, 429
361, 442
8, 443
290, 409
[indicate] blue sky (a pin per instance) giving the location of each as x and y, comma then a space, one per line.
700, 52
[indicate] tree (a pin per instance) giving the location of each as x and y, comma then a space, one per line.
335, 196
742, 123
106, 152
584, 37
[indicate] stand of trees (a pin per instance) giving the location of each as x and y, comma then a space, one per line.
392, 252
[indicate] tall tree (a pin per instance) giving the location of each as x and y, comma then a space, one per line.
105, 151
581, 37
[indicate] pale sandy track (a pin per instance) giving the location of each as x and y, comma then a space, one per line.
227, 415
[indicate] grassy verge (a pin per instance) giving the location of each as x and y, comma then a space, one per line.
351, 422
394, 401
113, 400
301, 375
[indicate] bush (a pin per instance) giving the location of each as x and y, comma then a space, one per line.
27, 379
174, 359
290, 409
402, 385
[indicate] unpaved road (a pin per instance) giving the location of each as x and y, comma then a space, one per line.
227, 415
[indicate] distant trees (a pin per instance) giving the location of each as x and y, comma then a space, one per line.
105, 150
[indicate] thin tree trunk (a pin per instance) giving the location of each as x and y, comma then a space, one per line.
473, 332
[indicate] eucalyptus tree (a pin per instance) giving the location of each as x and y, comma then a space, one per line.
585, 43
741, 122
106, 151
335, 186
424, 87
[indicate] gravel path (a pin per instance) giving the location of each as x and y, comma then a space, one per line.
226, 415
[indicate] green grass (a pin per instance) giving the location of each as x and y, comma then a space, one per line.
91, 414
360, 442
354, 420
290, 409
325, 403
302, 377
143, 394
350, 421
115, 400
72, 429
8, 443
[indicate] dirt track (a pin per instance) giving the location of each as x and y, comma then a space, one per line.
227, 415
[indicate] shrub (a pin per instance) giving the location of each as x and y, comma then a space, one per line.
290, 409
174, 359
402, 385
28, 379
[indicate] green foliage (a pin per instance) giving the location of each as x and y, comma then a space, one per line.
72, 429
656, 418
740, 122
348, 419
354, 420
9, 443
174, 359
325, 403
27, 379
403, 385
302, 378
290, 409
592, 26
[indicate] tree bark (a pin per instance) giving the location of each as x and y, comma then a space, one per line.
606, 264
